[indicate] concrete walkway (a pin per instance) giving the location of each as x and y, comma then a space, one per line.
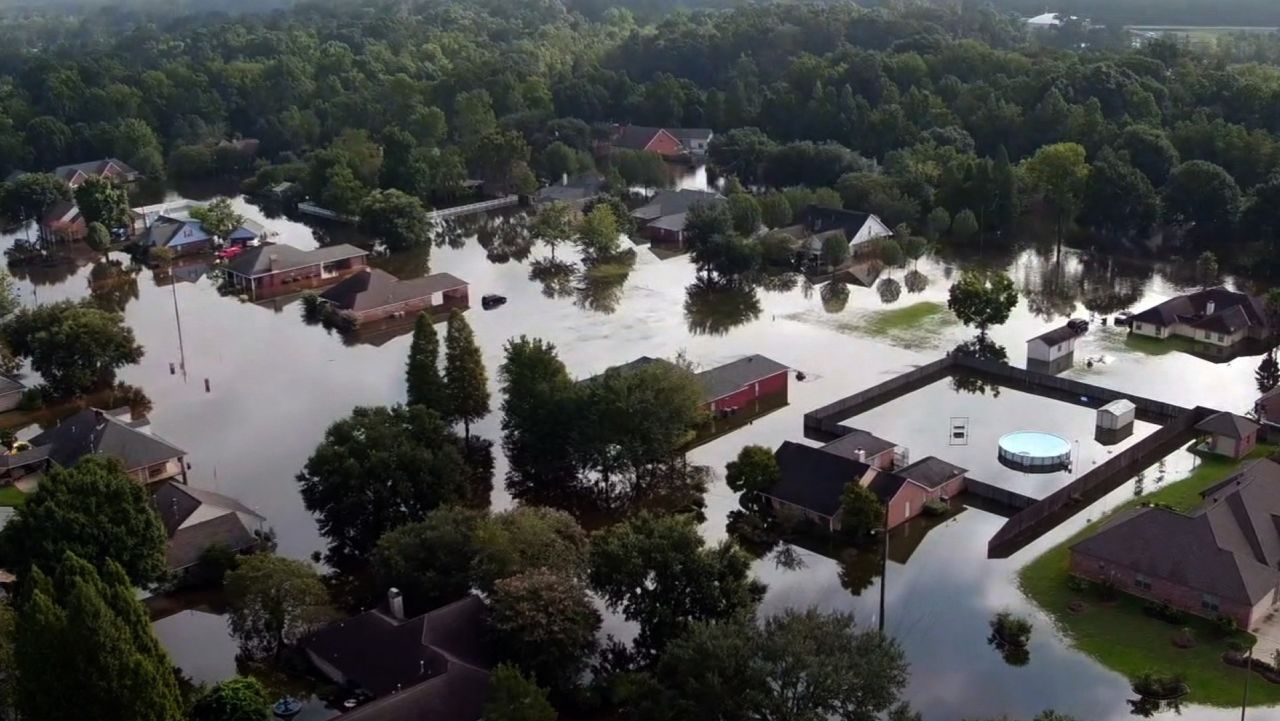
1268, 633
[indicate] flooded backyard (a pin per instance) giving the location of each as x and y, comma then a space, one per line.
275, 384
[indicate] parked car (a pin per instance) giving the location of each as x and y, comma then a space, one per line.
492, 300
1079, 325
229, 253
1124, 319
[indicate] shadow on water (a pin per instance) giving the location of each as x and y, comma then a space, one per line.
715, 308
113, 284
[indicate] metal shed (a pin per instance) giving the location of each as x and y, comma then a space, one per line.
1117, 414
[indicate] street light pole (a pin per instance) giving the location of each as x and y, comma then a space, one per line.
1248, 671
884, 562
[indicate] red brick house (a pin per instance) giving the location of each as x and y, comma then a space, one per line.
63, 223
277, 269
1230, 435
733, 386
112, 169
653, 140
1220, 559
372, 294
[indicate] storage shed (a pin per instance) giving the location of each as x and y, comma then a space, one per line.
1117, 414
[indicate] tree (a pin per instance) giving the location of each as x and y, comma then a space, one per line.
727, 256
1059, 173
1149, 151
75, 347
528, 538
273, 602
775, 211
1201, 193
93, 510
598, 233
553, 225
513, 697
379, 469
8, 632
241, 698
705, 221
560, 161
539, 416
755, 469
218, 218
422, 374
745, 212
939, 222
861, 512
430, 560
1006, 202
1119, 199
31, 195
397, 219
965, 225
657, 572
98, 237
546, 623
835, 251
466, 385
83, 630
102, 201
1267, 375
801, 665
982, 300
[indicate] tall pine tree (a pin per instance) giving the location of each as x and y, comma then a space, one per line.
1006, 187
85, 634
466, 385
1268, 373
426, 388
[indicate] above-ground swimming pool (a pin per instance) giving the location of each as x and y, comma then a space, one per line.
1035, 452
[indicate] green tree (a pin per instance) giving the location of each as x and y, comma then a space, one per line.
706, 221
982, 300
861, 512
397, 219
513, 697
755, 469
241, 698
342, 192
1149, 151
273, 602
1059, 174
430, 560
1204, 194
775, 211
379, 469
1119, 199
598, 233
98, 237
658, 573
473, 116
84, 630
553, 225
939, 222
1267, 375
528, 538
422, 374
1006, 201
746, 213
31, 195
466, 383
218, 218
965, 226
102, 201
1207, 269
94, 510
539, 416
546, 623
75, 347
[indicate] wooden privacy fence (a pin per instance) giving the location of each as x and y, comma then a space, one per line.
1003, 496
827, 418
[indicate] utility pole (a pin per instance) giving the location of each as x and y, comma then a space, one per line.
182, 353
884, 562
1248, 671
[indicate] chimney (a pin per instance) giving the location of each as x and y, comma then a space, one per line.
395, 603
861, 455
271, 261
1208, 308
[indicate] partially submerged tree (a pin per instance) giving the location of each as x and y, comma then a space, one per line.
396, 218
466, 384
102, 201
422, 374
75, 347
273, 603
982, 300
240, 698
219, 218
755, 469
1059, 173
861, 512
546, 623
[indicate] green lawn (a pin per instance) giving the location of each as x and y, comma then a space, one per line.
912, 326
10, 496
1122, 637
1157, 346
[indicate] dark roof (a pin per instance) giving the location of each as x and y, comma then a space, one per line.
886, 485
931, 472
635, 137
162, 231
96, 431
59, 211
1238, 310
458, 694
857, 439
819, 219
1228, 425
1055, 336
94, 167
582, 187
722, 380
195, 519
1229, 546
812, 478
9, 385
279, 257
674, 202
372, 288
384, 655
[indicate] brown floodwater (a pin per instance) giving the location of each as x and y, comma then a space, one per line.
276, 383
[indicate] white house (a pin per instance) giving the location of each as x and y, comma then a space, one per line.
1053, 345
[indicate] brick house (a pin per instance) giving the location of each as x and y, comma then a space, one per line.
653, 140
372, 294
661, 220
112, 169
62, 222
1229, 435
195, 519
146, 457
1219, 559
732, 386
1216, 316
278, 269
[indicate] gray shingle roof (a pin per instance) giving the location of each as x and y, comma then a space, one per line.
280, 257
931, 472
1054, 337
673, 202
812, 478
1228, 425
95, 431
857, 439
372, 288
722, 380
1192, 309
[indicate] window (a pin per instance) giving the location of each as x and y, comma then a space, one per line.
1221, 338
1137, 326
1209, 602
1142, 582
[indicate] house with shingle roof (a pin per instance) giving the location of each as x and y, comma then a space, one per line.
1216, 316
147, 457
273, 269
1229, 435
195, 519
668, 142
661, 220
1220, 559
372, 294
174, 228
112, 169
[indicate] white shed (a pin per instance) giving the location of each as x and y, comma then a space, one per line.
1117, 414
1049, 347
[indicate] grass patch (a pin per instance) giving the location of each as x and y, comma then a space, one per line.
1147, 345
912, 326
10, 496
1123, 638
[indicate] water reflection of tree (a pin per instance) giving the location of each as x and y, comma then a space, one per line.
54, 272
915, 281
889, 290
448, 234
112, 284
505, 238
1012, 654
982, 348
672, 488
555, 276
1110, 286
835, 296
599, 285
716, 307
1148, 707
779, 283
1052, 287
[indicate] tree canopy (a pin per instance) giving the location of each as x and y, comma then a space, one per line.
75, 347
273, 603
982, 300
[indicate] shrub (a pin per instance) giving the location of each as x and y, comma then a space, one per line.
1013, 630
1160, 686
1164, 612
312, 308
1225, 624
935, 507
216, 560
32, 399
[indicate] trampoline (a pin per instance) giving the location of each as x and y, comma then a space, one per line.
1035, 452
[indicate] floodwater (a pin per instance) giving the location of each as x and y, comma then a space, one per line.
276, 383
